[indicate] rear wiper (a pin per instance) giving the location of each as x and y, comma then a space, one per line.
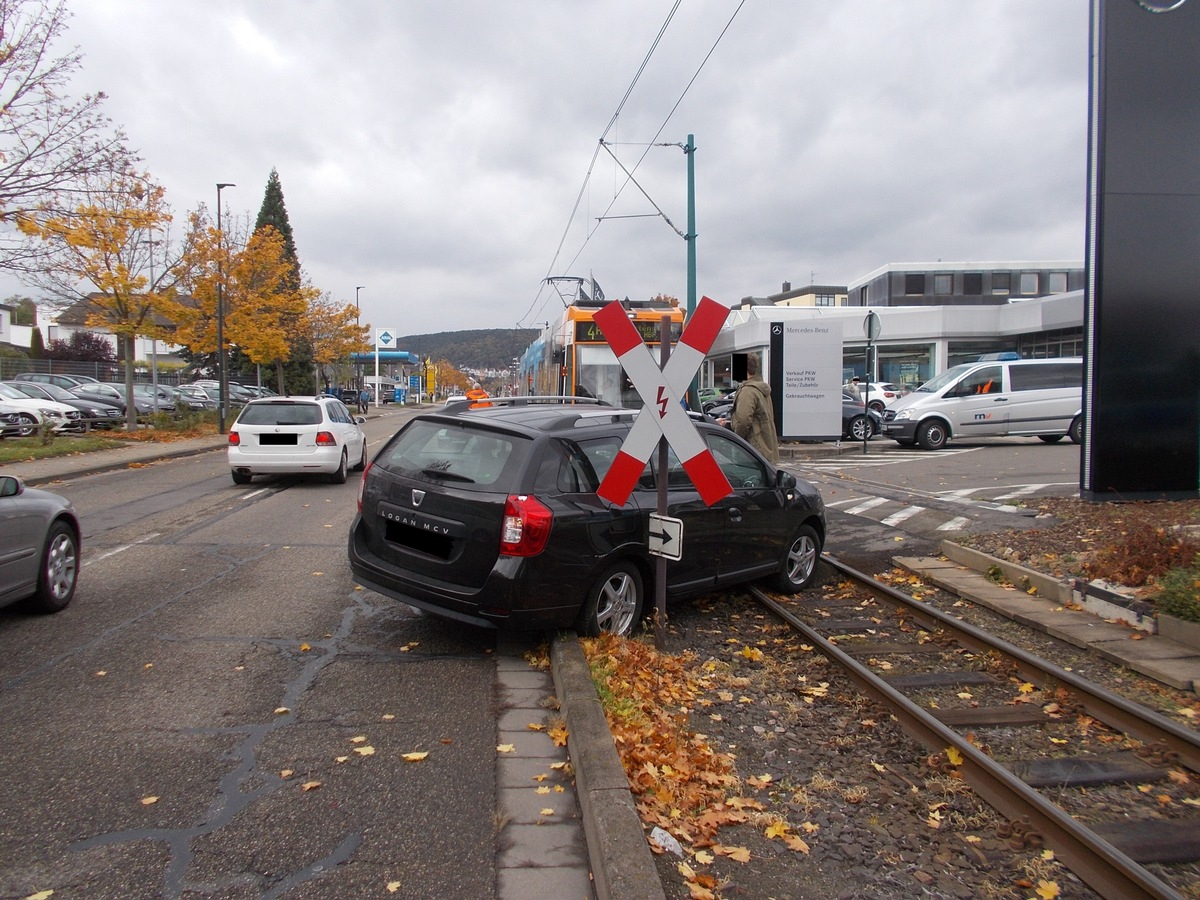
434, 472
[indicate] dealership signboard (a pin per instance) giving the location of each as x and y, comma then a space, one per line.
806, 379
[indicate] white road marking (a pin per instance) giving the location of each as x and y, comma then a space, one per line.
868, 504
253, 494
955, 524
907, 513
115, 550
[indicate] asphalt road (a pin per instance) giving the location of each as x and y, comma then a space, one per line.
217, 662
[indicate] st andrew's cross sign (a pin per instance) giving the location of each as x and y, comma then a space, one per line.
661, 389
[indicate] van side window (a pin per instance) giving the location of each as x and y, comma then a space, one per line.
1029, 377
987, 380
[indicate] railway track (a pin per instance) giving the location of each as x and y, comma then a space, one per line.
1039, 743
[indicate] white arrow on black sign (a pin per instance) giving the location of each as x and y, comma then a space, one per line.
666, 537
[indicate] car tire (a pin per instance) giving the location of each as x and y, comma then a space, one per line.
1075, 432
29, 425
877, 405
798, 568
931, 435
905, 442
58, 570
362, 463
241, 477
1051, 438
859, 428
614, 604
339, 477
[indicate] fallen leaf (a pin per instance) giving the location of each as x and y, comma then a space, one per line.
340, 759
393, 886
148, 801
752, 653
310, 785
365, 751
547, 812
559, 735
737, 854
542, 789
1047, 890
795, 843
415, 756
318, 573
534, 726
1027, 688
954, 755
286, 773
506, 748
387, 717
40, 895
703, 857
776, 829
282, 710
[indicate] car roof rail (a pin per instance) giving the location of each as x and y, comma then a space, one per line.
453, 407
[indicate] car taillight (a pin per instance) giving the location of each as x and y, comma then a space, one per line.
326, 439
234, 438
363, 483
526, 526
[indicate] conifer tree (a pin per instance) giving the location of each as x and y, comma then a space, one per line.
37, 347
292, 374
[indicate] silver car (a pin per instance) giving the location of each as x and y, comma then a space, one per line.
39, 547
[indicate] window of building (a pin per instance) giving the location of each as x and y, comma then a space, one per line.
825, 300
972, 284
914, 285
862, 296
1029, 282
943, 284
1001, 282
1058, 282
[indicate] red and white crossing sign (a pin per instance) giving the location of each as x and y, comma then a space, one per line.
661, 389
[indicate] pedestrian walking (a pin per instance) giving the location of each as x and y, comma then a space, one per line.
852, 387
364, 400
753, 415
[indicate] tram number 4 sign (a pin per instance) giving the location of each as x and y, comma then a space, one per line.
661, 389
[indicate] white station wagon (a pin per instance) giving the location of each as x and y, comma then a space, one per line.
296, 436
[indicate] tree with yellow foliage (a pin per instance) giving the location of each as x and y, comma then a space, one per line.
103, 251
330, 330
262, 309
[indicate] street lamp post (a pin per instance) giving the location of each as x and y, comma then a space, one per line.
222, 383
357, 311
357, 308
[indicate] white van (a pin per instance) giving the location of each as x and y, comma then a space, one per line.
1042, 397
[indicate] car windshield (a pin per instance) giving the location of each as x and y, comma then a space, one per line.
12, 393
952, 374
289, 413
433, 451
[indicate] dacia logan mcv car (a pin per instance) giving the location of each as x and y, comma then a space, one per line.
491, 516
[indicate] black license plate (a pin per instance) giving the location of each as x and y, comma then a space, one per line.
277, 440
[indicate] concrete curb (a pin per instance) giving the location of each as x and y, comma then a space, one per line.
1048, 586
621, 860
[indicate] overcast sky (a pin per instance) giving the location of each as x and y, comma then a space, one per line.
433, 150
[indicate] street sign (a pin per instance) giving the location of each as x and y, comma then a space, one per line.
385, 338
661, 389
666, 537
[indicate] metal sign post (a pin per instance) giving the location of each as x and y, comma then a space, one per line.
871, 328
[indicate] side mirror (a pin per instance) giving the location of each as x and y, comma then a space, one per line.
784, 479
361, 420
10, 486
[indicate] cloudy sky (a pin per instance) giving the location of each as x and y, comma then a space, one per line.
445, 154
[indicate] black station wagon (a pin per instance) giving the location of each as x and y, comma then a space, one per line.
490, 516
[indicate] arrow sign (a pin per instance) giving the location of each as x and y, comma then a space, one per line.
661, 389
666, 537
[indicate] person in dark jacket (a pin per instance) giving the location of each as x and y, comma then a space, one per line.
753, 415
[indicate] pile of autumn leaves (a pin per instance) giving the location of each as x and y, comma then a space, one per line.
679, 782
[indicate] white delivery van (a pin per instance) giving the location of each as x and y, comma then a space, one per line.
990, 398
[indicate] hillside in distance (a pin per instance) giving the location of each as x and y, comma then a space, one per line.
483, 348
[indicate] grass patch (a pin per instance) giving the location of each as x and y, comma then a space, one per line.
161, 430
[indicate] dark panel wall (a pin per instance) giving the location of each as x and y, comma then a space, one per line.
1142, 317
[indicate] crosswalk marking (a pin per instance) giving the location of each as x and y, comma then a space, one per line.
897, 517
955, 524
866, 505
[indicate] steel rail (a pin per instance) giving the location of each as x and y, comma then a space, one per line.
1113, 710
1098, 863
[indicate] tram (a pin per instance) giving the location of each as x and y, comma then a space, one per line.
571, 357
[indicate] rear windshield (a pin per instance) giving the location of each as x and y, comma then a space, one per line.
452, 453
290, 413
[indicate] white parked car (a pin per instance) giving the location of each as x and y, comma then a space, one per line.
880, 394
296, 436
58, 416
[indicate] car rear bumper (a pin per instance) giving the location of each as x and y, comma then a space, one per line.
496, 604
323, 460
